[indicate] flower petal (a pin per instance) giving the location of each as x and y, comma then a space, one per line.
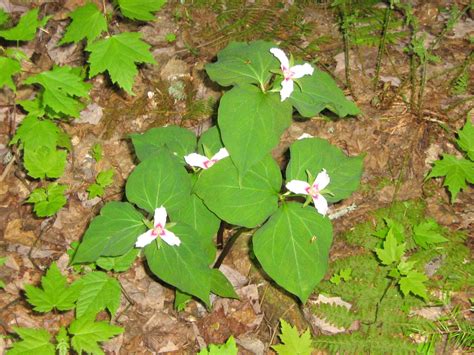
160, 216
304, 136
286, 89
281, 56
322, 180
298, 187
302, 70
170, 238
195, 159
145, 239
321, 204
221, 154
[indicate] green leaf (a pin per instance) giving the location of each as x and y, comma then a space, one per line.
405, 266
293, 248
3, 17
229, 348
48, 201
61, 86
86, 334
243, 63
314, 93
9, 67
221, 286
118, 263
113, 233
251, 123
26, 28
210, 142
176, 140
98, 292
103, 179
343, 275
185, 266
315, 154
466, 138
391, 251
55, 292
180, 300
245, 201
159, 181
62, 339
33, 341
140, 9
64, 141
457, 173
44, 162
87, 22
97, 152
35, 133
95, 190
33, 107
414, 282
426, 234
293, 343
117, 55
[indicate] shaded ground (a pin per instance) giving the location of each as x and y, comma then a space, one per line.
399, 147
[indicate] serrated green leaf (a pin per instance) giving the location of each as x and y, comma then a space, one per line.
140, 9
251, 123
9, 67
55, 292
245, 201
33, 107
405, 266
293, 247
427, 234
391, 251
113, 233
229, 348
293, 343
466, 138
33, 341
221, 286
184, 266
176, 140
44, 162
118, 56
61, 86
62, 339
243, 63
86, 334
3, 17
64, 141
414, 282
105, 178
48, 201
315, 154
87, 22
98, 292
118, 263
456, 172
35, 133
26, 28
97, 152
95, 190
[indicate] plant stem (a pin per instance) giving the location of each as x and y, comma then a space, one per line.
227, 248
345, 38
421, 92
383, 40
220, 236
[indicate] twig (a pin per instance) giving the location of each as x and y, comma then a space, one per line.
227, 248
383, 40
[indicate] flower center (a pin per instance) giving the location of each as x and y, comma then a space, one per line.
287, 73
313, 191
158, 230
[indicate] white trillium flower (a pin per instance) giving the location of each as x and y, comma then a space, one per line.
203, 162
158, 230
290, 73
313, 190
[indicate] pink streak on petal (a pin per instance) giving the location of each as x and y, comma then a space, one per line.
160, 216
170, 238
145, 239
298, 187
322, 180
321, 204
197, 160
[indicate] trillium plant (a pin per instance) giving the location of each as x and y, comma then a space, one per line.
185, 187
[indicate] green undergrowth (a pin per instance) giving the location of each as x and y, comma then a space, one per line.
380, 314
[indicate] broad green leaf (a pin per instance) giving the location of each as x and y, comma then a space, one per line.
181, 299
33, 107
113, 233
391, 251
314, 93
315, 154
293, 248
33, 341
3, 17
44, 162
243, 63
86, 334
9, 68
64, 141
176, 140
98, 292
87, 22
48, 201
118, 263
292, 342
229, 348
140, 9
245, 201
55, 292
61, 86
210, 142
397, 228
62, 339
221, 286
26, 28
35, 133
185, 266
456, 172
414, 282
466, 138
118, 56
405, 266
251, 123
159, 181
426, 234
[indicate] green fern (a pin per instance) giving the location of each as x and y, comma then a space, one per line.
460, 83
336, 315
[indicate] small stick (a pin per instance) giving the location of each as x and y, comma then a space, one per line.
227, 248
